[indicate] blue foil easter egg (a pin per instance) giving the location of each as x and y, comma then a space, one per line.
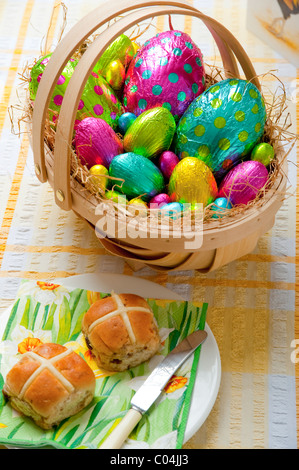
222, 125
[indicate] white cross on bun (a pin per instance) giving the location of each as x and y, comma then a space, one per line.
121, 331
49, 384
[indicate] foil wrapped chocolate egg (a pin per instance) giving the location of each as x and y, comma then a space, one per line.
96, 142
167, 161
167, 71
159, 200
243, 183
192, 181
138, 207
115, 75
97, 100
263, 153
125, 121
222, 125
151, 133
172, 210
136, 176
220, 207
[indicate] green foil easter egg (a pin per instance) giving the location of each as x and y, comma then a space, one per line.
97, 100
139, 175
222, 125
191, 182
151, 133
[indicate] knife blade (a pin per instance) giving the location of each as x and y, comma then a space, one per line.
153, 387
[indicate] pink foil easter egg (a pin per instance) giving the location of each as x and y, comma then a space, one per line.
167, 71
159, 200
242, 184
96, 142
167, 161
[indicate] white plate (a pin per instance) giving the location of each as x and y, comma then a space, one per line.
208, 375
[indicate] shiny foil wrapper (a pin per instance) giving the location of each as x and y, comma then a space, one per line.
192, 181
167, 162
97, 100
160, 200
115, 75
139, 174
151, 133
96, 142
167, 71
222, 125
242, 184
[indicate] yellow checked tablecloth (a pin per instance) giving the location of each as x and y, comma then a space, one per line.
252, 301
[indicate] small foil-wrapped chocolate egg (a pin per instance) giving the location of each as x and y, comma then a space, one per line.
138, 207
115, 75
139, 176
151, 133
125, 121
243, 183
99, 177
121, 49
192, 181
159, 201
116, 196
167, 71
167, 161
263, 153
172, 210
96, 142
220, 206
222, 125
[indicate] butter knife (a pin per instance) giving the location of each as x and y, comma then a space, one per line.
152, 388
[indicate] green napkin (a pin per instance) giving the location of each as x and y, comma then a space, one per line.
45, 312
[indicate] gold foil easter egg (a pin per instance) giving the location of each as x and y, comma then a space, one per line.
115, 75
151, 133
192, 182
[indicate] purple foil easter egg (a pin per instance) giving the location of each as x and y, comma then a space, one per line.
167, 161
96, 142
159, 200
167, 71
242, 184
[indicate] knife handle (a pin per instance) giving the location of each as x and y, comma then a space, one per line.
119, 434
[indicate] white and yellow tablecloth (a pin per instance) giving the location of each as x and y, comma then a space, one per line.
252, 301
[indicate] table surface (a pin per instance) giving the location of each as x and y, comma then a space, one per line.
252, 301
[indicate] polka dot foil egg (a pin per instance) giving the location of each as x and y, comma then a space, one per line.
167, 71
97, 100
222, 125
192, 182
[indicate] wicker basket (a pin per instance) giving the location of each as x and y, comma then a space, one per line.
222, 242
